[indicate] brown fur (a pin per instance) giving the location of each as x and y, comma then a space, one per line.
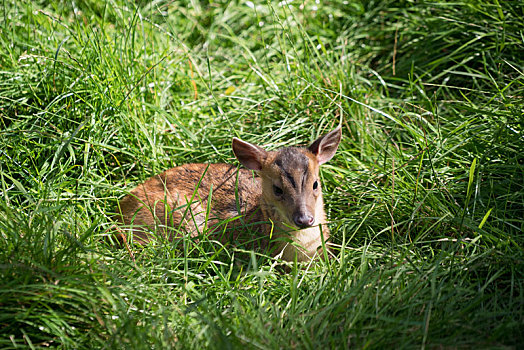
282, 199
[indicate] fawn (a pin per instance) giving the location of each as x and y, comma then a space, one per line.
284, 200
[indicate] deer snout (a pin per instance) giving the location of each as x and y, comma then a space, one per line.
303, 220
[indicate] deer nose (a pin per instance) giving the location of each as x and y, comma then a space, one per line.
303, 220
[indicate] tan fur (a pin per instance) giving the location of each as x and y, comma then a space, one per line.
144, 209
177, 199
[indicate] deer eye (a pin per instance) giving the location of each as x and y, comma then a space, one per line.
315, 185
278, 191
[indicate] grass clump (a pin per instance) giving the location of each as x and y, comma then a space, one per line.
425, 195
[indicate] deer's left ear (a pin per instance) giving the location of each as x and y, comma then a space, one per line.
324, 147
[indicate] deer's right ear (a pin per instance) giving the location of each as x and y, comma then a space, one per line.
250, 156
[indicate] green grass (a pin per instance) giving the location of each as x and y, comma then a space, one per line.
425, 195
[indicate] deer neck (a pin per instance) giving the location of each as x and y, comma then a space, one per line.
305, 241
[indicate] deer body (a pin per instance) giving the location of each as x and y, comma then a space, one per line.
283, 198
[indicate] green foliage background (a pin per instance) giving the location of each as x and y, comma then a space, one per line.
425, 196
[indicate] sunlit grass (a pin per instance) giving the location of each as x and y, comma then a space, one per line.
425, 194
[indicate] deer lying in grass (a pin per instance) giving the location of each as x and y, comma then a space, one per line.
284, 200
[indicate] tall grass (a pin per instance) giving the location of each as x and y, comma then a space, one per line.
425, 195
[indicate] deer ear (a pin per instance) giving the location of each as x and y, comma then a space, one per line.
250, 156
324, 147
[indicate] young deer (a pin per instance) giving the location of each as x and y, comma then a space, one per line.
285, 199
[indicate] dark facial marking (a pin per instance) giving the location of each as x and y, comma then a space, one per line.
304, 178
290, 178
291, 159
